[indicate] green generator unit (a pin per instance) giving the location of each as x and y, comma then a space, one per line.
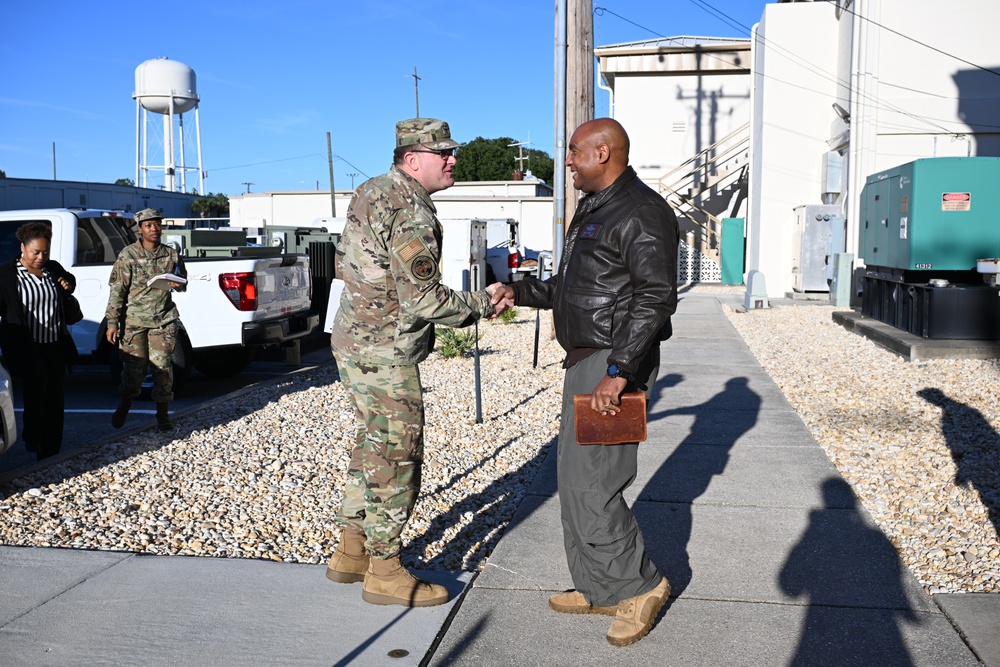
924, 227
321, 246
206, 242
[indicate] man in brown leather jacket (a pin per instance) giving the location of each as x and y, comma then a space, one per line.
612, 299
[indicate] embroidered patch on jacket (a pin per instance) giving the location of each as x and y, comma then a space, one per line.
590, 231
411, 250
423, 267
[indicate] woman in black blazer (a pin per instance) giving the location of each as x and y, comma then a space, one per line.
34, 336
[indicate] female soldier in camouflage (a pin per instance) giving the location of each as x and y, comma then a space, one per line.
143, 320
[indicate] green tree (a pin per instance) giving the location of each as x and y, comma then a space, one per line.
3, 174
211, 206
221, 204
125, 181
495, 160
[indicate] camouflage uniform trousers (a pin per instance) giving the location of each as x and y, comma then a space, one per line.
140, 348
383, 478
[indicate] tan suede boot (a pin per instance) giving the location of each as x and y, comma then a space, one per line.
573, 602
636, 615
388, 582
350, 561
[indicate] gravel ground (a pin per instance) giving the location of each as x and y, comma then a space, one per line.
918, 442
260, 476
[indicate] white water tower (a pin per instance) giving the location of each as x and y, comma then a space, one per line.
166, 88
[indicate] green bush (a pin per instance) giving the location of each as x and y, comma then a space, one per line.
453, 343
507, 316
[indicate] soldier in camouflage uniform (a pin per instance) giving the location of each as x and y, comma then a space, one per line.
389, 257
143, 320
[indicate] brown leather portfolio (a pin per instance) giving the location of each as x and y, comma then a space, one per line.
593, 428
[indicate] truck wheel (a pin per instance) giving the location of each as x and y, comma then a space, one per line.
224, 362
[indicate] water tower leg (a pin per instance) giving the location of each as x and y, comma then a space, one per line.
197, 138
138, 140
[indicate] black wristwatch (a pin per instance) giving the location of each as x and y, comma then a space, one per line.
616, 371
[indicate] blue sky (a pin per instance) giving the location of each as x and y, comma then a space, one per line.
275, 77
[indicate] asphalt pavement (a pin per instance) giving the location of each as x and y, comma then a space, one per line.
771, 558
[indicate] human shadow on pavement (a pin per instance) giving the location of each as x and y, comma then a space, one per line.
975, 448
839, 564
719, 423
493, 507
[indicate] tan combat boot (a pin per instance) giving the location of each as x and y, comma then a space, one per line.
388, 582
636, 615
350, 562
163, 417
573, 602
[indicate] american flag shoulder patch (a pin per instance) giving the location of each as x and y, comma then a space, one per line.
411, 250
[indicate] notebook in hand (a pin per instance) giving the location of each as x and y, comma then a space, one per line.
163, 281
593, 428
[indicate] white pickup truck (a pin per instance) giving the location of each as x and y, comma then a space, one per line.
232, 304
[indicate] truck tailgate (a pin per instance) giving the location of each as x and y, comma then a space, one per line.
282, 286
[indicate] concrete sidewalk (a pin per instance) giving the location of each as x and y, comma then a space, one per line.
771, 559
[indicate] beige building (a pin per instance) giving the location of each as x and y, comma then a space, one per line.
685, 103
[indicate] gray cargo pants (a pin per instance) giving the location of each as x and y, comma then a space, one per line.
604, 547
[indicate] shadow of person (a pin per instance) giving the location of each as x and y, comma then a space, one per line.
841, 564
663, 382
718, 424
975, 448
496, 505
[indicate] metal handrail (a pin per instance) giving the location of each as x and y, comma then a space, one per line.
743, 129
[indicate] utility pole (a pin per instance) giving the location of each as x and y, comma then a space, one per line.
521, 158
352, 175
329, 157
416, 90
54, 161
579, 81
248, 186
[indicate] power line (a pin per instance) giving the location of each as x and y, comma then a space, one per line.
254, 164
337, 157
916, 41
878, 102
287, 159
600, 11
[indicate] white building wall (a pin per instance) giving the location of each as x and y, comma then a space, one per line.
914, 97
896, 67
671, 118
795, 85
907, 99
473, 200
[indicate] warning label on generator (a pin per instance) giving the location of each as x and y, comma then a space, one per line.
956, 201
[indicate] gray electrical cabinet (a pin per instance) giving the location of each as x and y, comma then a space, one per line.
820, 232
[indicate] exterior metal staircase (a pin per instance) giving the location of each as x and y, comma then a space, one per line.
708, 187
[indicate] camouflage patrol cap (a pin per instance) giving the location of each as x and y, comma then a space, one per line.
147, 214
429, 132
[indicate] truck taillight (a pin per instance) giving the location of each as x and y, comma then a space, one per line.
513, 260
241, 288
